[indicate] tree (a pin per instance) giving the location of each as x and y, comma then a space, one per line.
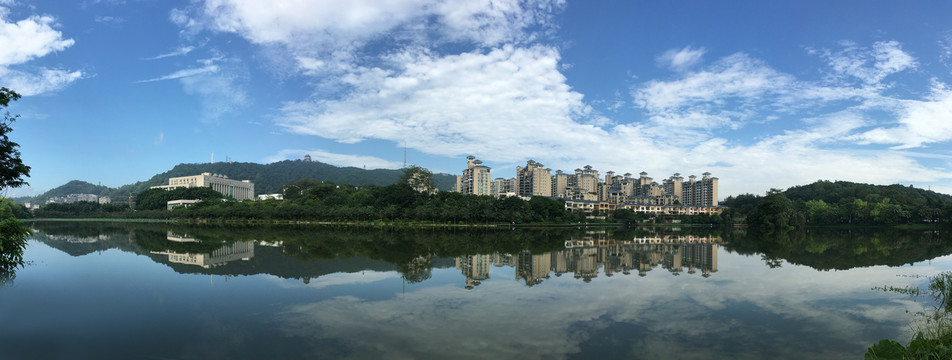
12, 171
775, 213
418, 178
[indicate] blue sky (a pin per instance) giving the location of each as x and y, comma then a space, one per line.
762, 94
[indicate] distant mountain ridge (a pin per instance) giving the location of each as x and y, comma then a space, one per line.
268, 178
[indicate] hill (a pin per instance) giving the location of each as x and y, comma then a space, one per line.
268, 178
834, 192
843, 202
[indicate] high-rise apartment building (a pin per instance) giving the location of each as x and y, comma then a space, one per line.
700, 192
560, 181
476, 178
503, 186
533, 180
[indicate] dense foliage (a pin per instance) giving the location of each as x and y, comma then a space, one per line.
157, 199
840, 249
12, 173
12, 168
81, 209
842, 202
309, 200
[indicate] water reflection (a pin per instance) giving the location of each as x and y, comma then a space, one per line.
595, 252
239, 250
349, 293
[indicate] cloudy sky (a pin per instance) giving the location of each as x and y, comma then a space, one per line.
761, 94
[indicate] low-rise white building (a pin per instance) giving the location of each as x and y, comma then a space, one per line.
240, 190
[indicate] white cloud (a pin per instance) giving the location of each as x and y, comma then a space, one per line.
737, 80
360, 161
26, 40
39, 81
380, 70
184, 73
332, 31
217, 84
453, 104
159, 140
177, 52
219, 94
110, 20
920, 122
681, 59
945, 49
870, 66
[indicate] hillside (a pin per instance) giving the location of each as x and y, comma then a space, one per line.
268, 178
833, 192
843, 202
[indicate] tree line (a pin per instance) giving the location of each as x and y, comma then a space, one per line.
839, 203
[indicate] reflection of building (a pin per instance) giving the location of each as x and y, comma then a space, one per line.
171, 236
475, 268
239, 250
584, 257
533, 268
240, 190
171, 204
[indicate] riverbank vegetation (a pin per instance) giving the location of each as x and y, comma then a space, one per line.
933, 327
12, 173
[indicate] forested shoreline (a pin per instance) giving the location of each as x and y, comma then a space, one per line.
822, 203
826, 203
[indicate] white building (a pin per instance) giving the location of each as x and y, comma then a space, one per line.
240, 190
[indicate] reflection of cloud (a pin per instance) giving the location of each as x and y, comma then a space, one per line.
655, 316
363, 277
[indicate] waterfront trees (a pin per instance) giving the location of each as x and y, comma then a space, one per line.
12, 173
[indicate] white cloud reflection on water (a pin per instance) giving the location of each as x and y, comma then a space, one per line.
743, 311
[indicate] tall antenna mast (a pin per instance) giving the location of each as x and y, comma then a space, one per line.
404, 153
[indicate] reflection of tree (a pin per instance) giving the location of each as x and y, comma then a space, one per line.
418, 269
773, 263
6, 278
840, 249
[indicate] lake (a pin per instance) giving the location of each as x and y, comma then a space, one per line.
163, 291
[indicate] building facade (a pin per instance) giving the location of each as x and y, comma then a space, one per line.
701, 192
476, 178
533, 180
239, 190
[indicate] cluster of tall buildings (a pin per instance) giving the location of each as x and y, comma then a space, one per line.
586, 184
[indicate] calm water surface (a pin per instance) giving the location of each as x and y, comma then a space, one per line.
146, 291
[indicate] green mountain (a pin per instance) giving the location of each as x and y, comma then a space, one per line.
268, 178
833, 192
